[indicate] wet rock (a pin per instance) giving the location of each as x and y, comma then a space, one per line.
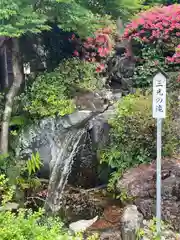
131, 221
140, 185
121, 70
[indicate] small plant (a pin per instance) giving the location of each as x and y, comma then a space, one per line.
124, 197
34, 163
20, 181
6, 191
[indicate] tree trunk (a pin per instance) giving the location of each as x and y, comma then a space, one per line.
17, 81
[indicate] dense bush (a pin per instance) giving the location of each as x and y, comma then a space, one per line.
32, 226
52, 93
156, 32
156, 24
147, 67
133, 133
96, 48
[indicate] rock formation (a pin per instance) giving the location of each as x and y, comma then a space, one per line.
140, 185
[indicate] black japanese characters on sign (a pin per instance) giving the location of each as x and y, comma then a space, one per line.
159, 96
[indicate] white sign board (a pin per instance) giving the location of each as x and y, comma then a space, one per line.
159, 96
27, 68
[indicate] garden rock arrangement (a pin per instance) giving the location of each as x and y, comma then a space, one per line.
140, 185
68, 145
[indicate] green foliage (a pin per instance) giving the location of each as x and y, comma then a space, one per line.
25, 16
151, 62
51, 93
20, 176
26, 225
34, 163
113, 178
19, 17
133, 133
124, 197
85, 17
150, 231
6, 191
79, 18
115, 8
17, 121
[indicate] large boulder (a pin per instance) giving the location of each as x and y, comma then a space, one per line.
140, 185
56, 138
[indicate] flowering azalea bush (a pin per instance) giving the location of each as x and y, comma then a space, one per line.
95, 49
157, 31
158, 23
176, 57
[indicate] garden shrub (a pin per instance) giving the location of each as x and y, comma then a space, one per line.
6, 190
96, 48
133, 133
157, 32
26, 225
18, 179
51, 93
151, 60
155, 25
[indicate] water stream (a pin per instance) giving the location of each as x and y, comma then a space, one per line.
63, 154
58, 145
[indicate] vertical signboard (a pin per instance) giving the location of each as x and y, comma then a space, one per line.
159, 112
159, 96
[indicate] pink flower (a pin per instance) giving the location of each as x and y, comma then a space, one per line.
169, 59
100, 68
157, 22
76, 53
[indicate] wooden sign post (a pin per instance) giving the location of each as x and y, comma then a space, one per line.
159, 112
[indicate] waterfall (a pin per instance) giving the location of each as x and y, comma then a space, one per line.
58, 143
63, 158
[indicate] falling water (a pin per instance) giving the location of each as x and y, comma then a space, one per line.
57, 143
63, 154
